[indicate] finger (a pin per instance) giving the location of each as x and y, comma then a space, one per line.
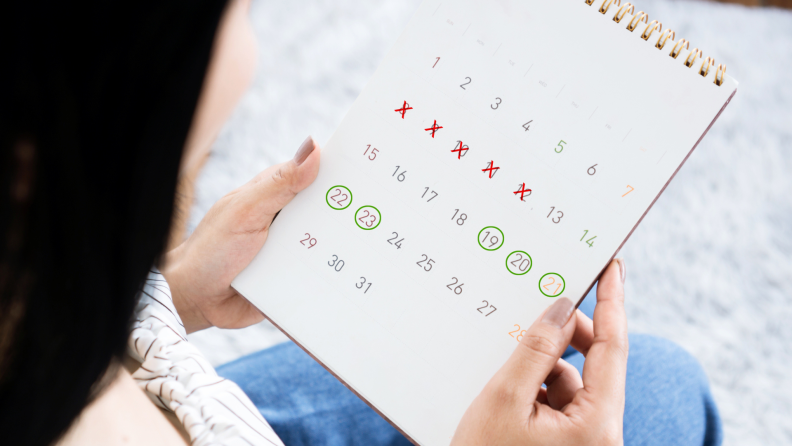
584, 333
605, 369
276, 186
541, 346
541, 396
562, 384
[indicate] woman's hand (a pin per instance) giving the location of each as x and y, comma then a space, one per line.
200, 270
514, 409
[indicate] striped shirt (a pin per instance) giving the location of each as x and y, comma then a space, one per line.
177, 377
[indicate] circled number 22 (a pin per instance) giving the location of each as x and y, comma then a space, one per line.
340, 197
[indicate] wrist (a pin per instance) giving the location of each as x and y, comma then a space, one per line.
174, 272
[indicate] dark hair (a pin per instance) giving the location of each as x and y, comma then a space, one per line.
92, 125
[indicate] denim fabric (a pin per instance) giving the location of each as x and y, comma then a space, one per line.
668, 400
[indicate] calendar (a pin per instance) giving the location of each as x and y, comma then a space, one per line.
497, 160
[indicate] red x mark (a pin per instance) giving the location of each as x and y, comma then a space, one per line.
522, 192
404, 109
461, 150
434, 128
491, 168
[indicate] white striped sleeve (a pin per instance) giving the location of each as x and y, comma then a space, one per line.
177, 377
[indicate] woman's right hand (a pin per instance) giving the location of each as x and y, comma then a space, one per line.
514, 408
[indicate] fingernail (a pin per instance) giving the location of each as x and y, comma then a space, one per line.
559, 313
305, 149
622, 269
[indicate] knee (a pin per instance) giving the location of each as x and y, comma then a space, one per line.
668, 395
665, 362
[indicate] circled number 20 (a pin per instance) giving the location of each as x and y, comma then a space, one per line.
519, 263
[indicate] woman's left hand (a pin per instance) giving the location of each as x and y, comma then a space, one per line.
200, 270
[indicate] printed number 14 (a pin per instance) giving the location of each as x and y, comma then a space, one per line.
589, 241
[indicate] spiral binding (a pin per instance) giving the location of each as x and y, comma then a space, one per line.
655, 25
678, 48
628, 8
637, 19
705, 66
668, 35
696, 53
606, 4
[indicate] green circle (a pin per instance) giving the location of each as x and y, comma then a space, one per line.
375, 226
503, 238
556, 295
327, 199
518, 274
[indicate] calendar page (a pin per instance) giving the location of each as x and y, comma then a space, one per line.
498, 159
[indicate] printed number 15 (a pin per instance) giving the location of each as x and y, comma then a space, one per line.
373, 153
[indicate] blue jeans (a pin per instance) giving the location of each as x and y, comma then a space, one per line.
668, 399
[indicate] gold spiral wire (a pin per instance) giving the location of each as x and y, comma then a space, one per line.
678, 47
638, 18
662, 39
705, 66
655, 25
720, 73
606, 4
668, 35
628, 8
695, 54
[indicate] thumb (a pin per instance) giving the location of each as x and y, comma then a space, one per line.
276, 186
538, 352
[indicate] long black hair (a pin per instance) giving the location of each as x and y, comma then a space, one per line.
93, 120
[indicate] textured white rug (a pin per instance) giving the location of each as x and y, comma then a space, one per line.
711, 265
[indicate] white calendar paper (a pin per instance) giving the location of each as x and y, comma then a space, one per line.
498, 159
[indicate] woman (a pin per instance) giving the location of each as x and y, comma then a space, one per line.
108, 114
